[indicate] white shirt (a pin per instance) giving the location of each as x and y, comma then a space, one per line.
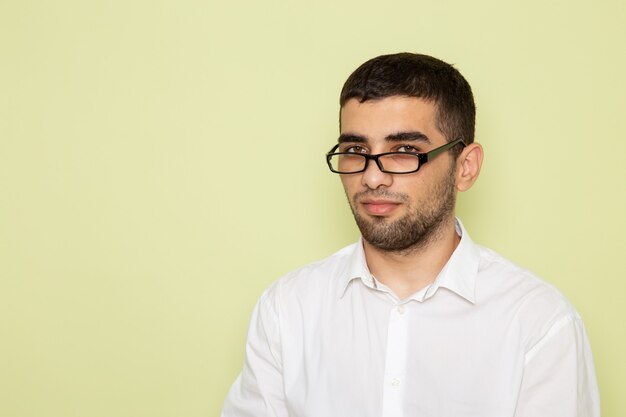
485, 339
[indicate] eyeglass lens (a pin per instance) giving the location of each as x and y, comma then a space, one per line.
396, 162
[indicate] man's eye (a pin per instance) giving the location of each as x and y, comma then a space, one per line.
355, 149
407, 148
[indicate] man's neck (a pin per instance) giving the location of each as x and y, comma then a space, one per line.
409, 271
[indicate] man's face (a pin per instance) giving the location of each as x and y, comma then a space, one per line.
397, 212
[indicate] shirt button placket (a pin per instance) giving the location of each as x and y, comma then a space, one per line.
395, 361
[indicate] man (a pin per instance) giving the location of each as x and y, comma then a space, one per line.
415, 319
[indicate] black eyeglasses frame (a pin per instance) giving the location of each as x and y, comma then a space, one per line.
423, 157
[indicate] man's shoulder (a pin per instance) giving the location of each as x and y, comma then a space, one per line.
320, 276
507, 274
533, 300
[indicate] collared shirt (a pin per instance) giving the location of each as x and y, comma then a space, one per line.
485, 339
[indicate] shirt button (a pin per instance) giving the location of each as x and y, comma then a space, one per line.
395, 382
401, 309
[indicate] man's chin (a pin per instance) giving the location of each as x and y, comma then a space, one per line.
379, 232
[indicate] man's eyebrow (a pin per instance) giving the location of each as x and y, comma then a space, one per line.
413, 136
407, 136
348, 137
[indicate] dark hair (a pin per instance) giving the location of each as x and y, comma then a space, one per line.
421, 76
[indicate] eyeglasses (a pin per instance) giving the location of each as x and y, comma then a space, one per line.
388, 162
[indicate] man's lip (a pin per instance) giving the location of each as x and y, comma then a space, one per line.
379, 207
378, 201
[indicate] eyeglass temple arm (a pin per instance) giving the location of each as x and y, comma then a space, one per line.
441, 149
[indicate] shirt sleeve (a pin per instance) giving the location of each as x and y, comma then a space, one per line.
559, 378
259, 391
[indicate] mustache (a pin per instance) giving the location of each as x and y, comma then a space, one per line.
381, 193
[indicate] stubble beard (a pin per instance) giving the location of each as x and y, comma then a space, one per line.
414, 231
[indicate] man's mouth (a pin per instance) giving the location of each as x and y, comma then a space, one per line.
379, 207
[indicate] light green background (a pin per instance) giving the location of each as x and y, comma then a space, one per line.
161, 163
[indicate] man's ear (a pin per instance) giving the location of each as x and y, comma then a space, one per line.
468, 166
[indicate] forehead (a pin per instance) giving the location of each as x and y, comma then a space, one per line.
379, 118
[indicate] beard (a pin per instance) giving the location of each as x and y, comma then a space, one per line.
417, 228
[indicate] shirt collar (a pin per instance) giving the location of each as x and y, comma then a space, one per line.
357, 269
458, 275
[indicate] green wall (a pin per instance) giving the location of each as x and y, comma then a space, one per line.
161, 163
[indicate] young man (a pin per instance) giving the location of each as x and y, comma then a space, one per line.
415, 319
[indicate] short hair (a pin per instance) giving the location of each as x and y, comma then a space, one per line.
420, 76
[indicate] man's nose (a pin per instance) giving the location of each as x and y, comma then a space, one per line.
373, 177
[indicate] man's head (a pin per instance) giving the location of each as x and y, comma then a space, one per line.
406, 104
419, 76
